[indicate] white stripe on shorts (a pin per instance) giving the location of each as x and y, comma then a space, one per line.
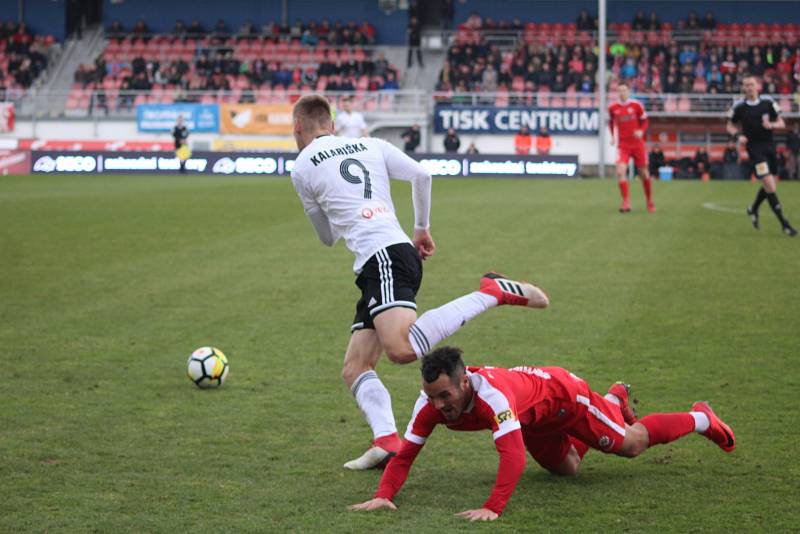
600, 415
385, 273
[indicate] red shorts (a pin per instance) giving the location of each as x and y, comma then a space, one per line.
585, 416
635, 149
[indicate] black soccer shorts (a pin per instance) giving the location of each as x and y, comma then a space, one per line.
389, 279
763, 159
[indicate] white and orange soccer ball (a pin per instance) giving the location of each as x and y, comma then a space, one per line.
207, 367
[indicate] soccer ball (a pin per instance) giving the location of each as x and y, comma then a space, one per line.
207, 367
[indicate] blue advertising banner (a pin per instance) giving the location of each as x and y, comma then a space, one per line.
492, 120
162, 117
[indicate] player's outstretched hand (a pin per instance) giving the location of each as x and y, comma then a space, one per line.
424, 244
372, 504
481, 514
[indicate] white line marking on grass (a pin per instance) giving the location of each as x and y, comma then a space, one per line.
716, 207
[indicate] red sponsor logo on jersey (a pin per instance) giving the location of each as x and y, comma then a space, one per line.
369, 213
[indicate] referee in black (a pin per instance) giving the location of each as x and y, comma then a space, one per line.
181, 134
758, 116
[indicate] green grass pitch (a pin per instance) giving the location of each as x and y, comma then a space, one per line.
108, 283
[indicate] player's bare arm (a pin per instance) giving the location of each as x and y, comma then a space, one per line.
731, 128
773, 125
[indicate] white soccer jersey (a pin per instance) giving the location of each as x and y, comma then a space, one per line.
344, 186
350, 124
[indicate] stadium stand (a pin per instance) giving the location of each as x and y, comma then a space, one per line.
195, 65
23, 57
698, 56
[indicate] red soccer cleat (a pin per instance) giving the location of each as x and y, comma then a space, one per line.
718, 431
383, 449
626, 207
512, 292
622, 391
651, 207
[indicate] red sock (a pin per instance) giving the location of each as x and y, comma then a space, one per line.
391, 442
623, 188
648, 189
667, 427
580, 446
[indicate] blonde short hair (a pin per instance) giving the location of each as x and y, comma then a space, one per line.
312, 111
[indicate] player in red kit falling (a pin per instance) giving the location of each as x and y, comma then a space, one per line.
630, 119
547, 410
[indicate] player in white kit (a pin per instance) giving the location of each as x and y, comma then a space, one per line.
344, 186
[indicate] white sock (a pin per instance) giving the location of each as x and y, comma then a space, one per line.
701, 422
374, 400
613, 399
440, 323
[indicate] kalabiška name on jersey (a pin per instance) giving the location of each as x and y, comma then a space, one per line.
322, 155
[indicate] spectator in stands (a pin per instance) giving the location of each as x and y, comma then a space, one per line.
369, 32
350, 123
709, 22
115, 30
640, 21
411, 138
544, 143
414, 42
180, 29
653, 23
451, 142
731, 153
656, 160
731, 170
692, 21
221, 31
489, 79
585, 22
196, 30
702, 163
714, 76
472, 149
523, 141
391, 82
309, 38
140, 29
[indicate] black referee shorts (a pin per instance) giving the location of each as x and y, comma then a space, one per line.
763, 158
389, 279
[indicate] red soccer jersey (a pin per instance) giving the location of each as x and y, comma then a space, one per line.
628, 117
503, 400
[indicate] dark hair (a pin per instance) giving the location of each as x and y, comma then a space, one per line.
312, 110
444, 360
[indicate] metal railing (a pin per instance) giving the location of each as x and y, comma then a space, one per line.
110, 104
510, 38
101, 104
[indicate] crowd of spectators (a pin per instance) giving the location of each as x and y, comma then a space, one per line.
312, 33
23, 56
217, 64
688, 66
